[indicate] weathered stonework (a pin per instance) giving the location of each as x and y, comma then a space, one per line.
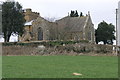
66, 49
67, 28
29, 15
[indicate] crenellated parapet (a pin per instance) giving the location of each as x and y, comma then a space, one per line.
29, 15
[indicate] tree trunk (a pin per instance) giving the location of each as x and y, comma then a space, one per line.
7, 37
5, 40
111, 42
105, 42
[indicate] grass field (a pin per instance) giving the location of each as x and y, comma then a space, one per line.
60, 66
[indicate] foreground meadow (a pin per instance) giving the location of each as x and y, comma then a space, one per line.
60, 66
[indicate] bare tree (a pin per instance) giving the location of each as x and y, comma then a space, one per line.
50, 19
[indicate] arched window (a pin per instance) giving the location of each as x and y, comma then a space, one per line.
40, 33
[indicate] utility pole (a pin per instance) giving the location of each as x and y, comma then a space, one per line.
116, 32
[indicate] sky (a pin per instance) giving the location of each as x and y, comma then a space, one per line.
99, 9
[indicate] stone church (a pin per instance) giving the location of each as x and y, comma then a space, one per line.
68, 28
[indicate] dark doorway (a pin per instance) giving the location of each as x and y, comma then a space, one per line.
40, 33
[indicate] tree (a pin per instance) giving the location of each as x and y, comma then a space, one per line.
81, 14
74, 14
51, 19
105, 32
12, 19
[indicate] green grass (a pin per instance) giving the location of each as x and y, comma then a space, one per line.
0, 66
60, 66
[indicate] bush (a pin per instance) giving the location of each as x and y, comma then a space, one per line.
49, 43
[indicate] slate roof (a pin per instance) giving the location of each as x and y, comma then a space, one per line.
72, 24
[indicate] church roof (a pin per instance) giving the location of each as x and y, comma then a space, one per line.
72, 24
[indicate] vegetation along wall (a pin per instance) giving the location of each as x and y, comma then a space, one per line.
56, 48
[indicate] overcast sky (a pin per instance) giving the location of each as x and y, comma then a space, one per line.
99, 9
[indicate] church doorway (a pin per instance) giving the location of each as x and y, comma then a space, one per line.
40, 33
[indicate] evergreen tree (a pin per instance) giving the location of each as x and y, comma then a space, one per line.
12, 19
81, 14
105, 32
74, 14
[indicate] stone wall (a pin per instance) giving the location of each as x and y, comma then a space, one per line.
29, 15
69, 49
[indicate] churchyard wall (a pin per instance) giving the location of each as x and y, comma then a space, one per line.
56, 48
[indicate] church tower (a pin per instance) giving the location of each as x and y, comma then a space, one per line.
29, 15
